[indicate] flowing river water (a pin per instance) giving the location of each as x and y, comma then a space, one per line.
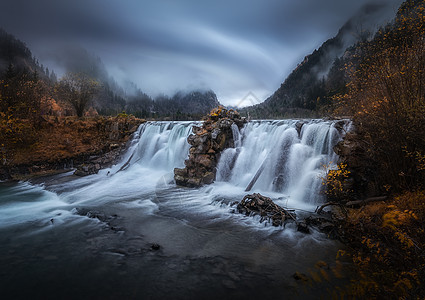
64, 237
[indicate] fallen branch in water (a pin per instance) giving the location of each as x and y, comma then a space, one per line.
257, 204
320, 208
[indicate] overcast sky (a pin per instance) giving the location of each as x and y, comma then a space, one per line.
230, 46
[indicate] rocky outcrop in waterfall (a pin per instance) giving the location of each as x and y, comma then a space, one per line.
207, 142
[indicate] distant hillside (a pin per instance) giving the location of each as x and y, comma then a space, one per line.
319, 76
182, 106
113, 99
17, 58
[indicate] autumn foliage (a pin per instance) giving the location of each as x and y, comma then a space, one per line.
21, 102
386, 97
387, 248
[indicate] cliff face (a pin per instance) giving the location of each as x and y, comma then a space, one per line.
207, 142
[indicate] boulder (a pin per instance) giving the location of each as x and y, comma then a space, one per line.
303, 227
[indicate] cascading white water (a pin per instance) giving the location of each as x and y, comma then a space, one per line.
160, 145
289, 157
287, 160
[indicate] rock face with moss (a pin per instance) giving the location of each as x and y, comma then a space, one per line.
207, 142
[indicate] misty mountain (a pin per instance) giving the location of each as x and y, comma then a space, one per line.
320, 75
110, 99
16, 57
114, 98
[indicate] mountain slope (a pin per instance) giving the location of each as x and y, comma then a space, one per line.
16, 57
319, 76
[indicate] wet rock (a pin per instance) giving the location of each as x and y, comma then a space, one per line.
102, 217
340, 125
303, 227
323, 224
155, 247
193, 182
204, 160
97, 215
279, 182
326, 227
300, 276
208, 178
299, 126
215, 133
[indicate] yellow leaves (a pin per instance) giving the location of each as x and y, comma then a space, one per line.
361, 260
340, 253
418, 157
395, 217
404, 239
388, 236
215, 112
334, 181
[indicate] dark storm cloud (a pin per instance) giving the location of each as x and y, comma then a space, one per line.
232, 47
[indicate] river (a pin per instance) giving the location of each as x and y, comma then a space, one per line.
97, 237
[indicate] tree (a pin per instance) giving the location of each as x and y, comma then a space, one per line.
78, 90
386, 98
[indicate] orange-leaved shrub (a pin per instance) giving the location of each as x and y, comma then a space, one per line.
386, 97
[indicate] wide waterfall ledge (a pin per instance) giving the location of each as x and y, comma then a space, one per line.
285, 159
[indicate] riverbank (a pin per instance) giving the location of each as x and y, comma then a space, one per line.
385, 242
382, 228
88, 144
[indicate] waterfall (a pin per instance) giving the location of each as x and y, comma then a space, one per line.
287, 156
160, 145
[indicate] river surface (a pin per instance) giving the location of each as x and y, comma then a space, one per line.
97, 237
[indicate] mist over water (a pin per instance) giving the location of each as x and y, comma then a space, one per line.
91, 237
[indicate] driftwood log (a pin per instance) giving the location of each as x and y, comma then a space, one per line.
357, 203
257, 204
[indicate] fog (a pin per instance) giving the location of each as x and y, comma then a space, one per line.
232, 47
